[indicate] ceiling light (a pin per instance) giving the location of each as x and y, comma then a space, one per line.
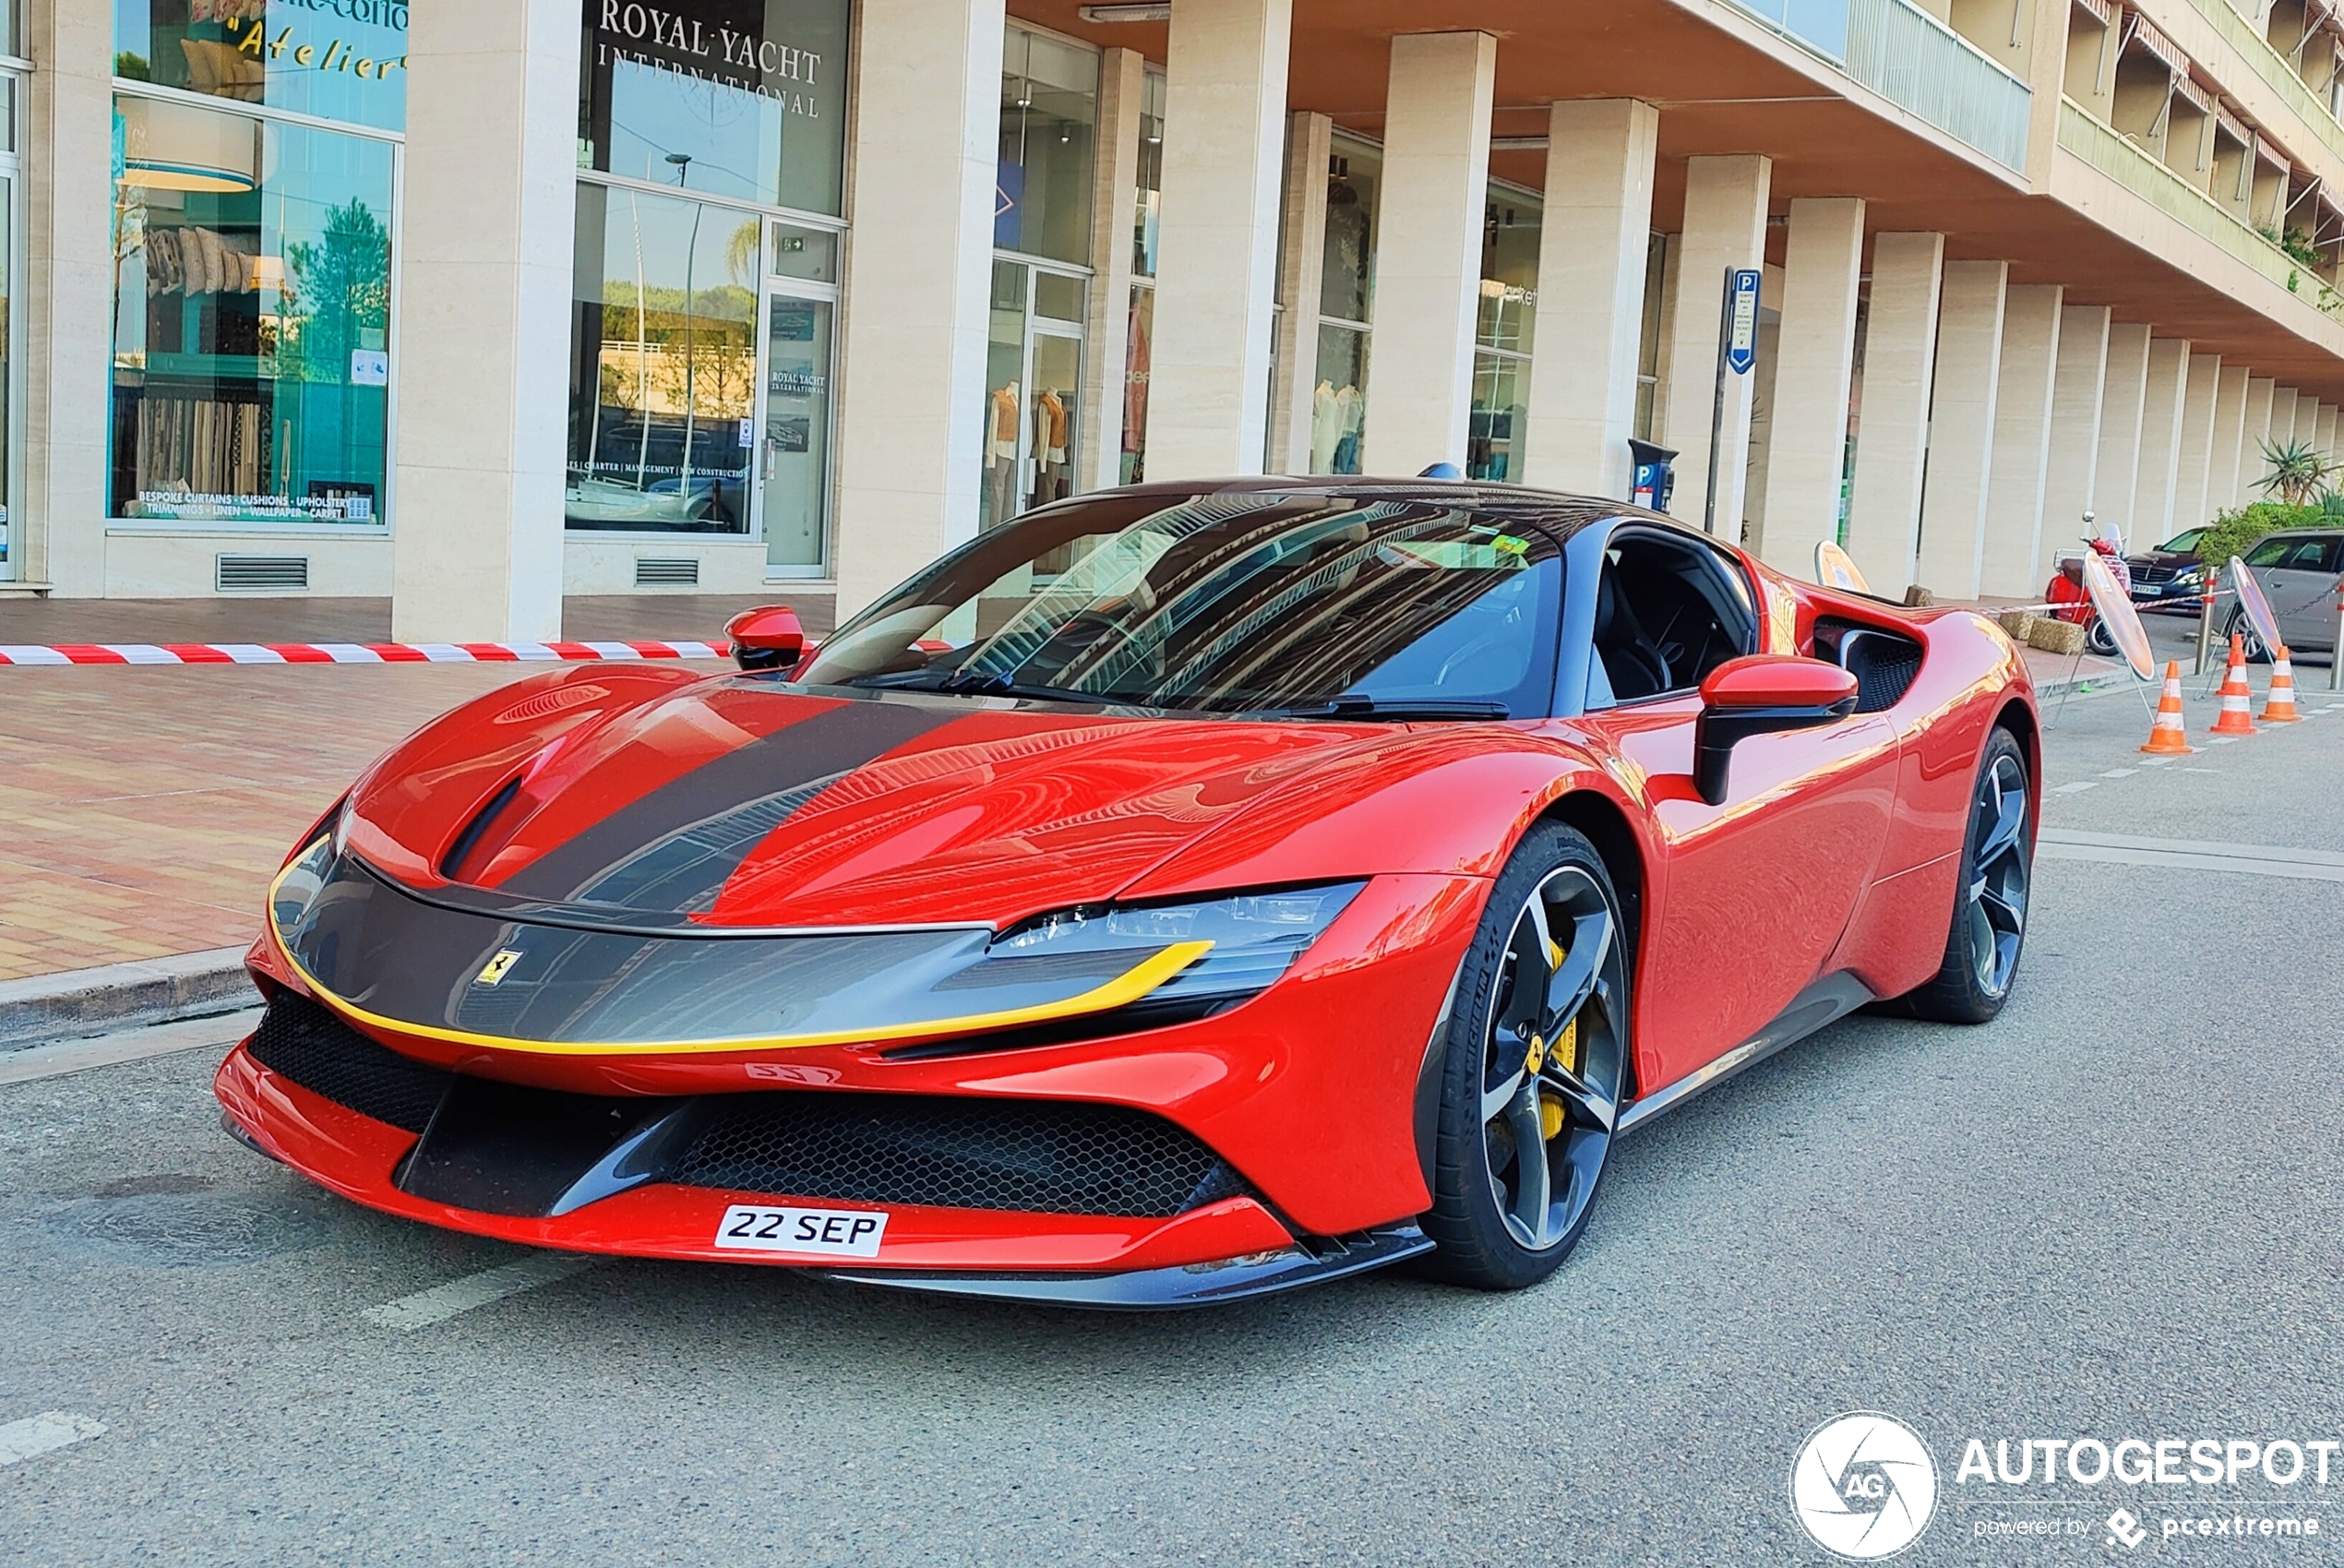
1130, 11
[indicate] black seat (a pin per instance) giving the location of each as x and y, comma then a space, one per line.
1636, 666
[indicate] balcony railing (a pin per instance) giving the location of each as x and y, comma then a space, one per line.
2267, 62
2149, 179
1917, 63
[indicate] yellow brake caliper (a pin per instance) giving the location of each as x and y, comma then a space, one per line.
1564, 1048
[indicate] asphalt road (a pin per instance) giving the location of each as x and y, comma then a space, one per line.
2114, 1213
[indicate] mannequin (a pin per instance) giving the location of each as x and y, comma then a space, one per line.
1000, 451
1049, 446
1326, 427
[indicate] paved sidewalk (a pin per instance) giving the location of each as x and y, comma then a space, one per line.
146, 808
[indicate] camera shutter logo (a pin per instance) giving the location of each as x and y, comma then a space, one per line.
1864, 1485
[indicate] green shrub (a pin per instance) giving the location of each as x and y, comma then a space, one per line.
2232, 533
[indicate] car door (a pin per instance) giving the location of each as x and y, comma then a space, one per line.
1753, 894
2302, 591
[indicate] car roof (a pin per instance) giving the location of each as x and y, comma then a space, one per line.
1557, 511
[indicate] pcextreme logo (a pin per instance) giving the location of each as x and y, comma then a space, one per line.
1864, 1485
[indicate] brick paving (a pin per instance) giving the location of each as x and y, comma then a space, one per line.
143, 810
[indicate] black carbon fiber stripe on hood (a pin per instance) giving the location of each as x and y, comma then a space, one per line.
674, 848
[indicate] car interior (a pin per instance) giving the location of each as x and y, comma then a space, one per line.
1667, 612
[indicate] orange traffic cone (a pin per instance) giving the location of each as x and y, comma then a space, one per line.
2279, 709
2166, 737
2235, 718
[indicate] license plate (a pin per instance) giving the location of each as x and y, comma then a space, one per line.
824, 1233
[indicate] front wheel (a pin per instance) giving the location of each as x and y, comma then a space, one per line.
1534, 1069
1989, 906
2099, 639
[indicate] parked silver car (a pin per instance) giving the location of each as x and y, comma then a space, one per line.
2297, 567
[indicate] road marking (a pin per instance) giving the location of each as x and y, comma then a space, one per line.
2201, 769
441, 1302
2157, 762
2195, 854
44, 1434
2221, 741
2077, 789
131, 1045
2119, 773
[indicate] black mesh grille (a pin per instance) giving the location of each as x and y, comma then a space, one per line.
1034, 1155
1883, 664
303, 1041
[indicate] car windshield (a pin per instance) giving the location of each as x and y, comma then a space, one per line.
2181, 543
1228, 602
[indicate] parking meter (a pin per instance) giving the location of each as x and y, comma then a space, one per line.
1656, 474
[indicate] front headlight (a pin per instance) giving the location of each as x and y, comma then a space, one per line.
1255, 937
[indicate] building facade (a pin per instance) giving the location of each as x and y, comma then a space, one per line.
474, 307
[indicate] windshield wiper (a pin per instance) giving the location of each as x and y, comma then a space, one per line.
1435, 708
991, 683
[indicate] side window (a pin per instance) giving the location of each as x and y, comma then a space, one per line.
1667, 612
2309, 555
2270, 553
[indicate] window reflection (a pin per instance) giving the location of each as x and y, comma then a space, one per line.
663, 365
252, 294
340, 60
1049, 113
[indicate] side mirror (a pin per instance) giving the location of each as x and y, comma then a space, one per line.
1759, 695
767, 637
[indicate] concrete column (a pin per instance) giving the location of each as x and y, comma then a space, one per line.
2282, 419
2324, 432
1961, 427
1725, 226
1115, 183
1427, 263
59, 533
2120, 427
2194, 474
1302, 274
1592, 249
2079, 388
1814, 357
2230, 440
919, 269
2021, 465
1217, 254
2160, 460
1900, 367
486, 249
2260, 394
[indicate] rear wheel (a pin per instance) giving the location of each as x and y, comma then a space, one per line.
1989, 906
1536, 1067
2099, 639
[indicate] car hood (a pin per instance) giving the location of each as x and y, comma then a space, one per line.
737, 803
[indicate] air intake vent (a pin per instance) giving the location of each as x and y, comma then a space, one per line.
262, 574
652, 571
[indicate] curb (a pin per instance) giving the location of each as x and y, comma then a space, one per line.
43, 1009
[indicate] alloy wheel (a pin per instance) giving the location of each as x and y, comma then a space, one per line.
1995, 896
1554, 1059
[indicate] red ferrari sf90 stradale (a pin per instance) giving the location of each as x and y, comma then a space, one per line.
1178, 894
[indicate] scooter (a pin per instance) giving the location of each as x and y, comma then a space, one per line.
2071, 602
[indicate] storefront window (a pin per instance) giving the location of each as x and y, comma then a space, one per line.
663, 363
746, 102
1648, 342
1033, 397
1151, 182
794, 439
1346, 292
1050, 115
1505, 326
252, 292
336, 59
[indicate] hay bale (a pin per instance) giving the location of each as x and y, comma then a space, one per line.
1919, 598
2020, 624
2062, 638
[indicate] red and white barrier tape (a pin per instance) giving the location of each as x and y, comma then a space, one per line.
345, 652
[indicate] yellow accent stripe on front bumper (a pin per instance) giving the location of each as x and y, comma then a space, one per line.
1125, 988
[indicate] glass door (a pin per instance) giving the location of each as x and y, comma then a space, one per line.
1033, 391
794, 437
